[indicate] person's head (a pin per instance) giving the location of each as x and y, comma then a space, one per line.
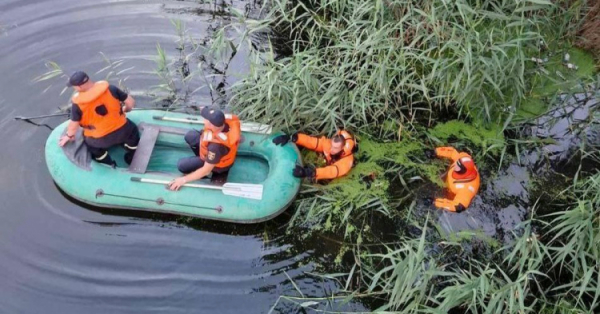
80, 81
337, 144
214, 119
464, 168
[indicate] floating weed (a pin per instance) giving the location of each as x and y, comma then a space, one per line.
344, 202
475, 137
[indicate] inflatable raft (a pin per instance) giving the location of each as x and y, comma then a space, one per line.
260, 184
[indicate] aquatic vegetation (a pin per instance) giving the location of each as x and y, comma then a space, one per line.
113, 71
358, 63
564, 70
345, 202
476, 138
392, 71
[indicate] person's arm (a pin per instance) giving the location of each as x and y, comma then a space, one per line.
215, 153
123, 97
338, 169
310, 142
129, 103
458, 204
71, 130
72, 127
176, 184
447, 152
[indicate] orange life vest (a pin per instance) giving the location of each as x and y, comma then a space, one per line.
94, 124
347, 150
230, 139
463, 187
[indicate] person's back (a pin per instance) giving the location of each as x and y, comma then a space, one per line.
97, 109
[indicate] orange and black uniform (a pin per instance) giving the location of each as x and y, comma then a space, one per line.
99, 112
219, 149
462, 186
337, 165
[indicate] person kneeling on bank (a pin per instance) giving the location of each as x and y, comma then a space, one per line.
338, 152
215, 148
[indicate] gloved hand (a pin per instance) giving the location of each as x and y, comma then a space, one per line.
428, 201
283, 139
459, 208
430, 153
303, 172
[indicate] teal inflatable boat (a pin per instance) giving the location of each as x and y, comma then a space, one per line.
260, 184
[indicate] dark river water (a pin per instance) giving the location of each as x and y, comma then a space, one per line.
58, 256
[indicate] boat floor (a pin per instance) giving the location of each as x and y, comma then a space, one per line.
164, 158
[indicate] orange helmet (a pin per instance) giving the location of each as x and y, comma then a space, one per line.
468, 171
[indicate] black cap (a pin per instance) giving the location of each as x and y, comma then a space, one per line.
78, 78
215, 116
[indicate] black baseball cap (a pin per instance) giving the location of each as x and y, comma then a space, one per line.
215, 116
78, 78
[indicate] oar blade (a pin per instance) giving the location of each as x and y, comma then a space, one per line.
252, 191
250, 195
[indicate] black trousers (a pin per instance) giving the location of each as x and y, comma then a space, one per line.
128, 136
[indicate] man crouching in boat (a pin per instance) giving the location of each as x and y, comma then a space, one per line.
215, 148
97, 109
338, 151
462, 179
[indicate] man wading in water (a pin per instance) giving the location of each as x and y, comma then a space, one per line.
97, 109
462, 179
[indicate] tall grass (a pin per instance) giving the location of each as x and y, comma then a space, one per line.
357, 63
555, 273
406, 275
575, 252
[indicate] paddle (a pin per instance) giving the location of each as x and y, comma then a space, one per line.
252, 191
41, 117
62, 114
251, 127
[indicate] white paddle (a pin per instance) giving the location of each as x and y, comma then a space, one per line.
251, 127
252, 191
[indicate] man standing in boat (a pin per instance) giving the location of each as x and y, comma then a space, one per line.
97, 109
338, 151
215, 148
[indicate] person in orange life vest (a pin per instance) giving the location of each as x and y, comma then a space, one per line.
215, 148
338, 151
462, 179
97, 108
